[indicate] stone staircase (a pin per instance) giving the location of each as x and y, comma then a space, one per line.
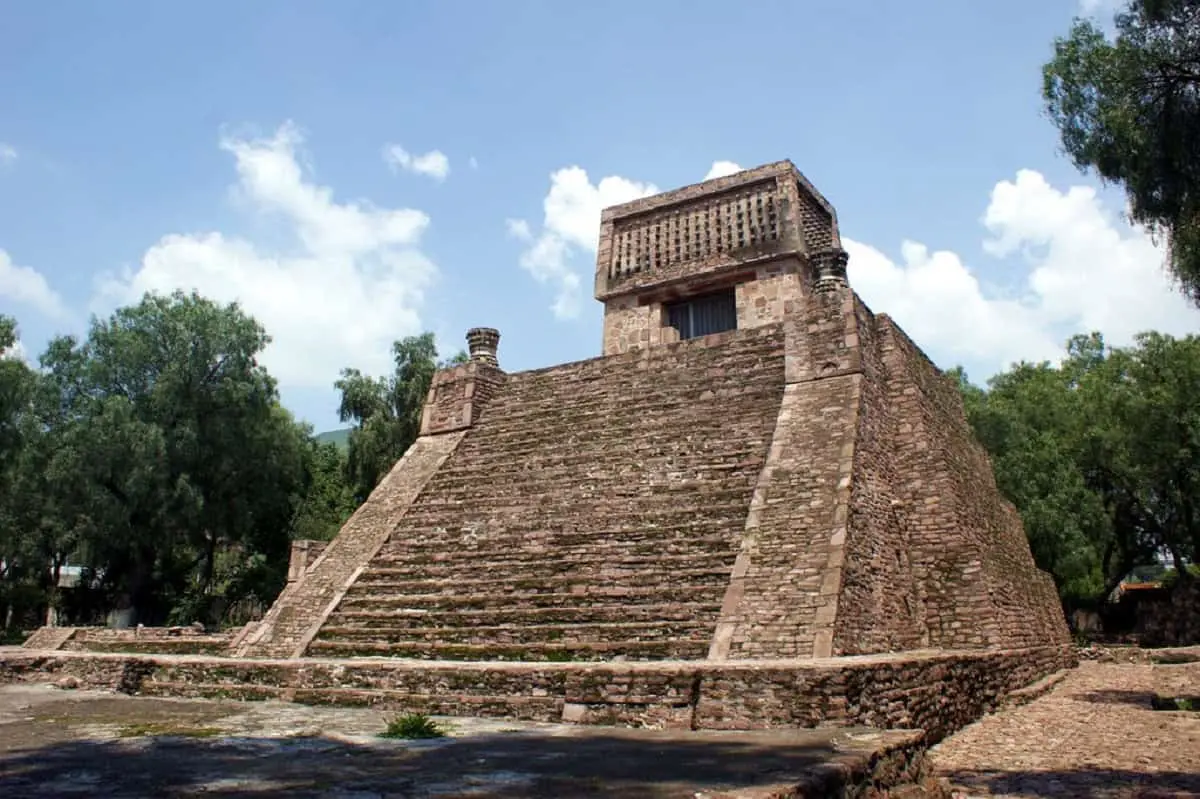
593, 512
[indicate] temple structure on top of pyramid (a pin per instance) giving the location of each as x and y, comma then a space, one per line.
756, 467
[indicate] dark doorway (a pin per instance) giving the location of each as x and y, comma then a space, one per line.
700, 316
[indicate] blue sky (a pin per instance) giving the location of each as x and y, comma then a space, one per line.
355, 171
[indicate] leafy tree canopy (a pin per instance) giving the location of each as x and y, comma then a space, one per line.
386, 411
1101, 455
1129, 109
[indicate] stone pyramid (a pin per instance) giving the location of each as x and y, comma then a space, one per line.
756, 468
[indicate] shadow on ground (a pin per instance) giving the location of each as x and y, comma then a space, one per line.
517, 764
1093, 783
1136, 698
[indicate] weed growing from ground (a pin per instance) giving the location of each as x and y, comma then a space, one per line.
413, 725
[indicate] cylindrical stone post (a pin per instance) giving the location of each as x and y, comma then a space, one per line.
482, 343
831, 270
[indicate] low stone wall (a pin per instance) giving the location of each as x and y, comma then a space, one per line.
938, 692
1173, 619
147, 640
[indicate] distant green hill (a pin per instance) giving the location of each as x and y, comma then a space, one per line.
339, 437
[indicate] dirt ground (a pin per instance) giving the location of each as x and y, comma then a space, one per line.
56, 743
1095, 735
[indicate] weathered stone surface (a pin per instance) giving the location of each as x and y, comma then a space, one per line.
935, 691
593, 511
96, 744
150, 640
1095, 735
304, 555
303, 605
1172, 618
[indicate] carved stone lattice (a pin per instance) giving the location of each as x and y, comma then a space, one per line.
717, 224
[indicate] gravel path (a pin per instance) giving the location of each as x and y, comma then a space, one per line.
1094, 735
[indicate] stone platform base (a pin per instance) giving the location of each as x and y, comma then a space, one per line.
95, 744
938, 692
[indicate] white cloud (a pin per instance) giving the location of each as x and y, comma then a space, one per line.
432, 164
350, 283
519, 229
720, 169
27, 286
1065, 264
570, 231
1075, 267
8, 154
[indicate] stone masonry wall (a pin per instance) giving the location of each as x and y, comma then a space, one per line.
1173, 619
782, 599
939, 692
594, 511
776, 292
881, 607
976, 579
458, 395
300, 609
149, 640
303, 555
629, 326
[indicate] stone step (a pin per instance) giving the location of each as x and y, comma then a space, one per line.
534, 561
663, 422
527, 708
601, 594
513, 437
715, 369
635, 403
630, 650
337, 629
477, 483
364, 610
411, 582
592, 565
454, 525
412, 540
624, 509
478, 679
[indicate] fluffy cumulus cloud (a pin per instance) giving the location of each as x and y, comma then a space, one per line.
433, 164
1074, 266
1057, 262
345, 281
720, 169
27, 287
558, 256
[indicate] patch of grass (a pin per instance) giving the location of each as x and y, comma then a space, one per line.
1160, 702
413, 725
153, 729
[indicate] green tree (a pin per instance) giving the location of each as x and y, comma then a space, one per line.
1129, 109
165, 448
1101, 455
328, 499
386, 411
18, 559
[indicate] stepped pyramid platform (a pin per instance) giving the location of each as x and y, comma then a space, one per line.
762, 505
